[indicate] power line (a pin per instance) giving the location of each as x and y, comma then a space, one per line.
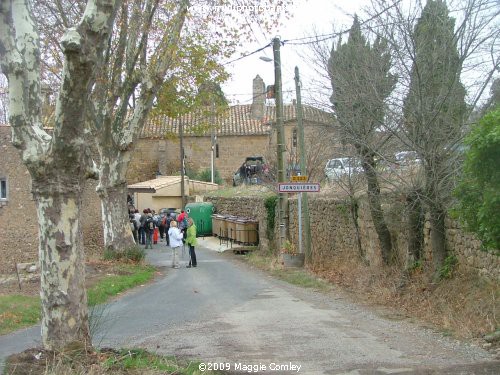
248, 54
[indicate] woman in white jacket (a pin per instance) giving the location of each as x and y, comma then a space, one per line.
175, 240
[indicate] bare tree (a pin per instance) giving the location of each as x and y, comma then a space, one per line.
445, 55
58, 163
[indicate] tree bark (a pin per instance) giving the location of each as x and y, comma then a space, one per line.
62, 264
416, 221
112, 190
438, 238
376, 212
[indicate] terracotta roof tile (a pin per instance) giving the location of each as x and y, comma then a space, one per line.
236, 120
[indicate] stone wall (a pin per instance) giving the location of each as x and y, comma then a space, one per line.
334, 233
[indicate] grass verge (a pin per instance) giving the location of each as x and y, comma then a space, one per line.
99, 362
129, 276
296, 276
17, 311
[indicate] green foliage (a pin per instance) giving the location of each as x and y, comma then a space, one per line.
206, 175
134, 254
446, 271
17, 312
139, 359
478, 192
270, 204
361, 81
416, 266
130, 276
435, 106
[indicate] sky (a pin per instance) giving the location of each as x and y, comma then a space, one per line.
309, 17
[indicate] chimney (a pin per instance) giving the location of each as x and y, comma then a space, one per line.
259, 98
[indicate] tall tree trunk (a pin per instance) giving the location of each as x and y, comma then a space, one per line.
376, 212
416, 219
62, 264
438, 237
112, 190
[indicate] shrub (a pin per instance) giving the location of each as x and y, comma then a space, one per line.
134, 254
206, 175
270, 204
478, 192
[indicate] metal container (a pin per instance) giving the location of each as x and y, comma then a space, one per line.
201, 213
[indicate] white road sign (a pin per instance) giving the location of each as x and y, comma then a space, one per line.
310, 187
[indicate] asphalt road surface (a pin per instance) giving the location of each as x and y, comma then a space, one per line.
241, 320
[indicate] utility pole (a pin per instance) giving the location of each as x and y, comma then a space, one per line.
212, 141
181, 136
303, 171
280, 141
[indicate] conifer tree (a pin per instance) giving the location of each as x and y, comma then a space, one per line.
361, 82
434, 111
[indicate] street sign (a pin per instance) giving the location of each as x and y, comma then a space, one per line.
299, 178
311, 187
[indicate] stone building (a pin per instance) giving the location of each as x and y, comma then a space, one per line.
241, 131
238, 132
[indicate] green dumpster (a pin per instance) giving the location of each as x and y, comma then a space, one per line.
201, 213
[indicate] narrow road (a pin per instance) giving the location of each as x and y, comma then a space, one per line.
244, 321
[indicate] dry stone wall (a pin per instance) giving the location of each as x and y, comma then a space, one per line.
334, 234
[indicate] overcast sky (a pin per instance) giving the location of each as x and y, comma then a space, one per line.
309, 17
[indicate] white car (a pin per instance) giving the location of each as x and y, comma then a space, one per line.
406, 159
337, 168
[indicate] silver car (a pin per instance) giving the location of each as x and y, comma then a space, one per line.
341, 167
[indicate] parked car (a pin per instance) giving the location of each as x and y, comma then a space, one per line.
252, 171
406, 159
339, 167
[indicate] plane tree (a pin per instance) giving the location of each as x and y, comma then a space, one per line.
153, 42
58, 162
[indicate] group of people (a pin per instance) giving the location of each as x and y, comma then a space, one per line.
177, 231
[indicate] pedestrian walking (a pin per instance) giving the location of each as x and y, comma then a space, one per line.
175, 240
191, 241
142, 231
149, 228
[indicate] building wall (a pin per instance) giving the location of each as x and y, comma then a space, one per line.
18, 217
233, 150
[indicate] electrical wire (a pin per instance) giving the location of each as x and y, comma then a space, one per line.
248, 54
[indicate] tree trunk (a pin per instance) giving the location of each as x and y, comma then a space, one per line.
117, 233
112, 190
438, 237
62, 264
376, 212
416, 219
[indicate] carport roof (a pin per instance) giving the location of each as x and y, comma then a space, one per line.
151, 186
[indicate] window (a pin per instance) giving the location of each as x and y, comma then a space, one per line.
3, 188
